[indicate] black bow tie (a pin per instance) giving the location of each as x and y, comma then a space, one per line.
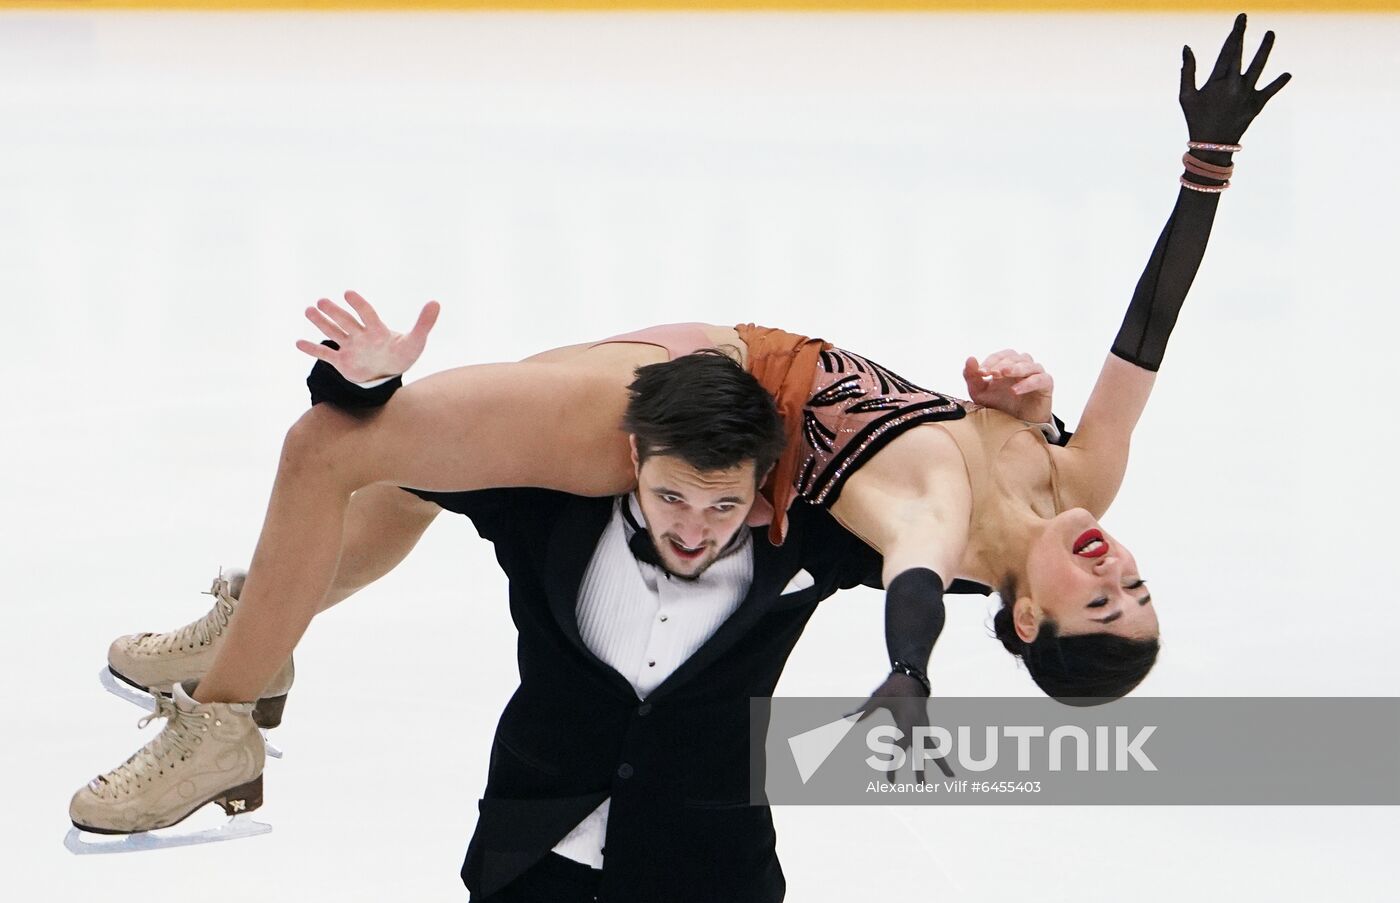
643, 549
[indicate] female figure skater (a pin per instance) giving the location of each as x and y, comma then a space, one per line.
940, 487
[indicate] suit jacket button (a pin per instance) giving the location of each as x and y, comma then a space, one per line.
624, 770
644, 709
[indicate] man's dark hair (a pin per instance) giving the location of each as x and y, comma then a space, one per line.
1084, 669
706, 410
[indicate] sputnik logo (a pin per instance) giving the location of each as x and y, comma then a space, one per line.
812, 748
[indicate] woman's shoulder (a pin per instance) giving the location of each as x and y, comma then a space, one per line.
917, 482
921, 461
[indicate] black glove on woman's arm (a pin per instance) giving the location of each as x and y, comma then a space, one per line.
1217, 113
914, 618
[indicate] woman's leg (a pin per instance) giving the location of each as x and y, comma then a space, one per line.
554, 425
382, 525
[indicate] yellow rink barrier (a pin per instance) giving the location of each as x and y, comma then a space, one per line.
692, 6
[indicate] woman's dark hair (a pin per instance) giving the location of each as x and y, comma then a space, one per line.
706, 410
1085, 669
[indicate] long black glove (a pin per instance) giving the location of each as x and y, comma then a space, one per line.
914, 616
1218, 113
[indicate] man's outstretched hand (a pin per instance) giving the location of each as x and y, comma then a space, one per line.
369, 350
1011, 382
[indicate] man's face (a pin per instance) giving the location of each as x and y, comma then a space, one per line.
692, 514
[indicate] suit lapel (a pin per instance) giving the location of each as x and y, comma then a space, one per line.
772, 567
572, 543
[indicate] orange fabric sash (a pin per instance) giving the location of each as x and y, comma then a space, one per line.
785, 364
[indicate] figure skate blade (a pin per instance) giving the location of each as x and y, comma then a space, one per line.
236, 828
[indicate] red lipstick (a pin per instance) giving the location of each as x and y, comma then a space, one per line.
1088, 538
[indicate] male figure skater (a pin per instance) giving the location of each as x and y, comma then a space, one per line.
620, 767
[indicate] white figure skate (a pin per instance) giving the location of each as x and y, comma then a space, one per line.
207, 753
141, 665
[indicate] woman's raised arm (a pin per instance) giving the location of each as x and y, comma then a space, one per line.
1217, 115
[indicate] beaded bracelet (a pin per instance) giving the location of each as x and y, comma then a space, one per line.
1209, 146
1208, 189
1214, 171
910, 671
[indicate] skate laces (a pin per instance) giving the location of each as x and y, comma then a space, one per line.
200, 632
175, 743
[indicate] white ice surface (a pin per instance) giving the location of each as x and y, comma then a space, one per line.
175, 189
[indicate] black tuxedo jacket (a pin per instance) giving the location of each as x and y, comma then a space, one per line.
677, 765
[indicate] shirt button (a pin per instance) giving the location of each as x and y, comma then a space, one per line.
651, 664
663, 617
624, 770
644, 709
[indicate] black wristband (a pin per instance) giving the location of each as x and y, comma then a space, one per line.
326, 384
911, 671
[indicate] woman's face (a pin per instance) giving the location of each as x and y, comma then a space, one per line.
1085, 581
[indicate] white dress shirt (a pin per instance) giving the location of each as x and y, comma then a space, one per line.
644, 624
